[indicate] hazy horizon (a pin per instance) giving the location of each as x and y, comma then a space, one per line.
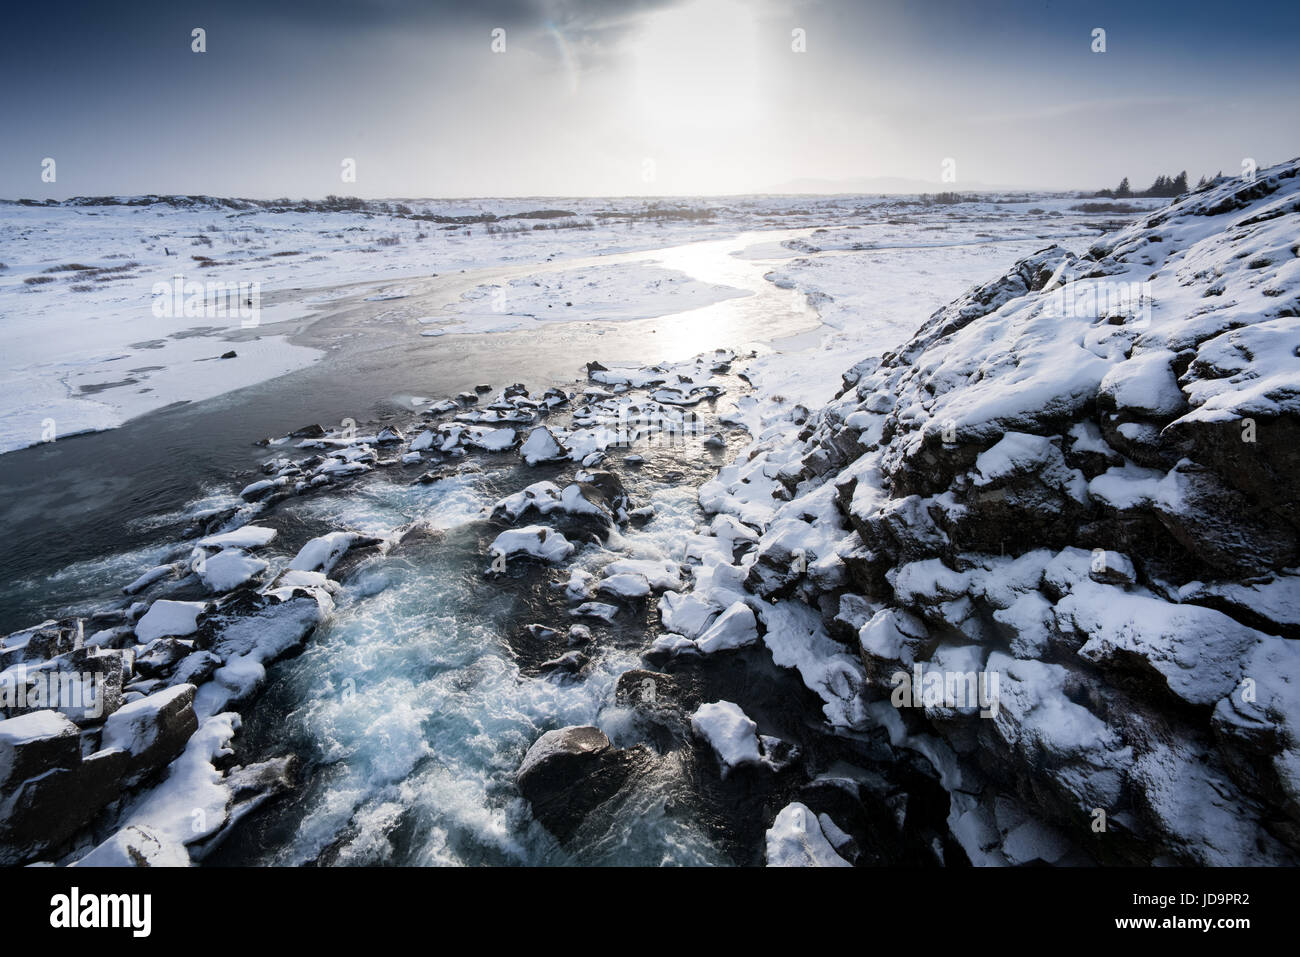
664, 98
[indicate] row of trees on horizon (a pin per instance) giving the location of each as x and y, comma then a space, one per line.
1163, 186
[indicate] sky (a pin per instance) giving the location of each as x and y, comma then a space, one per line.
663, 97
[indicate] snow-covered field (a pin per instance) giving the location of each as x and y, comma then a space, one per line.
84, 347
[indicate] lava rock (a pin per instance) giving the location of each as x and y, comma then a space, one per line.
569, 772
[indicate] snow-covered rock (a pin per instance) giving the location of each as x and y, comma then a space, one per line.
166, 617
228, 569
734, 628
247, 537
1088, 461
730, 732
796, 839
152, 730
532, 541
323, 553
136, 846
541, 446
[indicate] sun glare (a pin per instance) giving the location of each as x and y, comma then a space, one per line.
697, 69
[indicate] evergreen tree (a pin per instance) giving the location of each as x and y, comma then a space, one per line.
1124, 189
1179, 185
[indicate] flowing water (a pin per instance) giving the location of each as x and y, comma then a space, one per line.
413, 706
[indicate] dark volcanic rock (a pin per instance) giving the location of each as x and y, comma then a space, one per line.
48, 792
569, 772
153, 730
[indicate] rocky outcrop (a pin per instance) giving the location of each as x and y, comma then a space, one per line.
1077, 480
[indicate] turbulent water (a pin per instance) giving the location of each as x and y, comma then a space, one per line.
412, 707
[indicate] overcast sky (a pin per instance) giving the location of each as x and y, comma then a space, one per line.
674, 97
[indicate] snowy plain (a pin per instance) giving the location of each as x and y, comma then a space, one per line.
85, 351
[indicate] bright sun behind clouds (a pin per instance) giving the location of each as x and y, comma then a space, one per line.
697, 70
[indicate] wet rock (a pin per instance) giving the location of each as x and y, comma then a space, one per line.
207, 521
251, 786
433, 475
420, 532
45, 811
152, 576
645, 689
569, 663
569, 772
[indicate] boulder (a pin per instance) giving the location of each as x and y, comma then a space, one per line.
152, 730
542, 446
796, 839
65, 794
569, 772
34, 743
